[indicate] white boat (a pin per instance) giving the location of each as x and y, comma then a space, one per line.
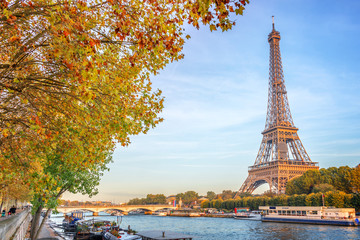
310, 215
122, 235
160, 213
241, 215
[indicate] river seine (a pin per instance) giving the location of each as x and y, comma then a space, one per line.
205, 228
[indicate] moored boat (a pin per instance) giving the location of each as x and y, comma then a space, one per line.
310, 215
244, 213
159, 213
184, 213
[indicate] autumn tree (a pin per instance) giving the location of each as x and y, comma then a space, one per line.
65, 57
70, 69
80, 59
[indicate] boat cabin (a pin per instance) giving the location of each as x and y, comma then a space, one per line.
309, 212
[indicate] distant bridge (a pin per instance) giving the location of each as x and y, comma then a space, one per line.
121, 208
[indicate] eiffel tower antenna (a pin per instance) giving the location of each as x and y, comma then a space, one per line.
281, 156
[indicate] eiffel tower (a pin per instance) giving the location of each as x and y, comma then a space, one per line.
281, 156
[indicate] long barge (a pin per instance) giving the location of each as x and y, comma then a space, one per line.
310, 215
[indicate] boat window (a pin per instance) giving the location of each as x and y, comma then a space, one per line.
270, 211
288, 212
303, 213
275, 211
298, 213
293, 212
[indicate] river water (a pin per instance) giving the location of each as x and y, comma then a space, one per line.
206, 228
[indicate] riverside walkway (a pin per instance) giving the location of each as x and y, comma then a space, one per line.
15, 226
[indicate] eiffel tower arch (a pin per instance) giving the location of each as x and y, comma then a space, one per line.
281, 155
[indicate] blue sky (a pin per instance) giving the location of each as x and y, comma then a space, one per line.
216, 100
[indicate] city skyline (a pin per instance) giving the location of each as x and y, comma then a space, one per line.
216, 100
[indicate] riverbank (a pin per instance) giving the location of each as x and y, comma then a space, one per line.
47, 233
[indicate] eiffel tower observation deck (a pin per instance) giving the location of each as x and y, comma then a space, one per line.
281, 156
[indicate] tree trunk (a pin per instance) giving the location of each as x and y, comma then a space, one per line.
2, 203
35, 223
42, 223
3, 200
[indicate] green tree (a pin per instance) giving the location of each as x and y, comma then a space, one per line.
300, 200
137, 201
335, 199
294, 186
155, 199
228, 204
304, 184
217, 203
292, 200
355, 201
210, 195
314, 199
190, 196
343, 179
323, 188
179, 196
205, 204
355, 179
227, 194
245, 194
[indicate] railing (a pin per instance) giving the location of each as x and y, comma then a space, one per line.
15, 227
284, 162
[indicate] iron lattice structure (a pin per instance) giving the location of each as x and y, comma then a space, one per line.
281, 156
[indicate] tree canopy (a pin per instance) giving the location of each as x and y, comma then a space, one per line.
150, 199
75, 80
341, 179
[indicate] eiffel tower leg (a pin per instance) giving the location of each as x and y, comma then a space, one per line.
249, 185
282, 184
244, 186
270, 185
274, 184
